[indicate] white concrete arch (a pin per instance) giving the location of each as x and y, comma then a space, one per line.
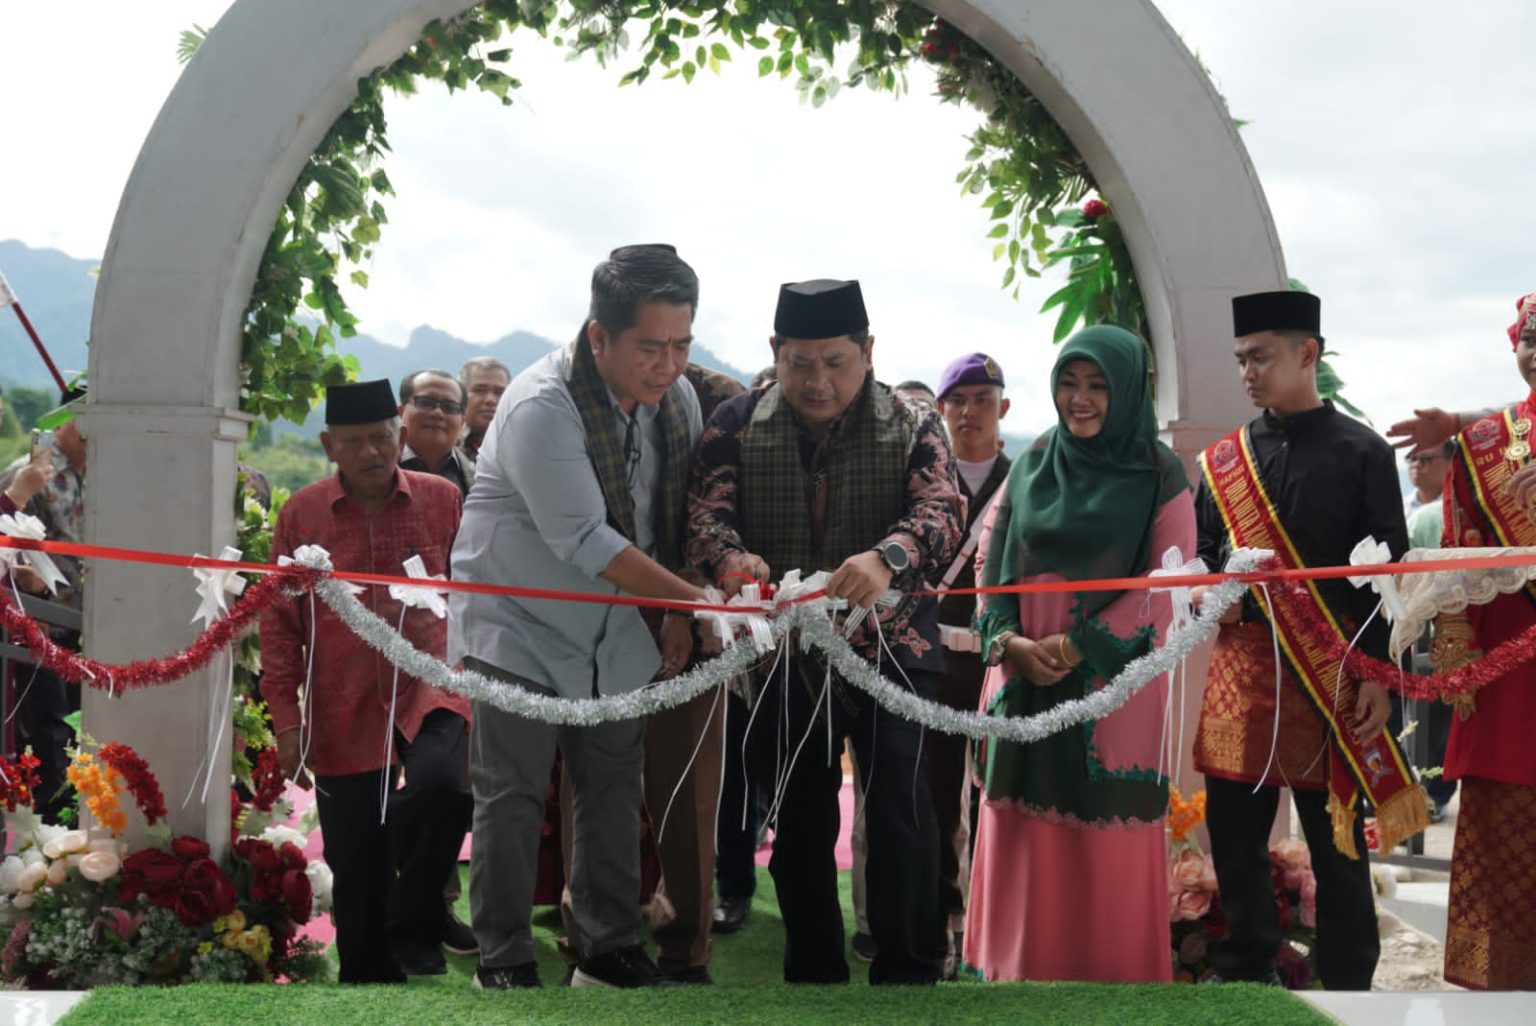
273, 76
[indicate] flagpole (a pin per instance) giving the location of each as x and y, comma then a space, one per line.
8, 298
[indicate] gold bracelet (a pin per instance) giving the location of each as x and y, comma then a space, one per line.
1061, 647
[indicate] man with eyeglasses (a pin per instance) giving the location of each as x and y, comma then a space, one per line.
1426, 472
432, 411
580, 487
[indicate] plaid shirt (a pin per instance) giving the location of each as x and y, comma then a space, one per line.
352, 681
930, 526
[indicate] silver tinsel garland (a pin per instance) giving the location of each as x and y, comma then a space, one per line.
816, 630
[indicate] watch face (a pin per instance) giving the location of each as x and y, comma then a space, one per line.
895, 556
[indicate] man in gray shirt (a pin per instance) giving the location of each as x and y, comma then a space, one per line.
580, 487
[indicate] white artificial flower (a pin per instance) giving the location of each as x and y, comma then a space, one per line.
10, 874
279, 833
47, 832
67, 843
319, 885
97, 866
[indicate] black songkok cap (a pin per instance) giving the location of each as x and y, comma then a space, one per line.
822, 308
640, 247
1276, 311
366, 402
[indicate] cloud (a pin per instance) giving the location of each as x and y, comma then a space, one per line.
1391, 139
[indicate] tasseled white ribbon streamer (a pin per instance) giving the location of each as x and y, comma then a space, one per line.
1183, 614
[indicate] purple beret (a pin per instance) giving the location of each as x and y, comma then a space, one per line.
971, 369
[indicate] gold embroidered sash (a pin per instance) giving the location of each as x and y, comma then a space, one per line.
1490, 451
1377, 770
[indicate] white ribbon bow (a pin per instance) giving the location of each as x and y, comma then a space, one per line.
316, 558
1181, 596
214, 584
420, 596
1371, 552
1244, 560
25, 525
752, 617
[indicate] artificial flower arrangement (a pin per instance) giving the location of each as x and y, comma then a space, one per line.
79, 910
1194, 902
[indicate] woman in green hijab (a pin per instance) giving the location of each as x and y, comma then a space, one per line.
1069, 880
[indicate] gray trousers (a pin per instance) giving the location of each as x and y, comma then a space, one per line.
509, 762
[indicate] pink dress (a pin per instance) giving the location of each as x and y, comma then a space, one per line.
1069, 880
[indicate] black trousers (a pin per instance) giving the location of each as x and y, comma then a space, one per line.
1239, 821
903, 867
389, 877
735, 842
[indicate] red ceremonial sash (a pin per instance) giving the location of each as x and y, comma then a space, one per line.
1378, 770
1484, 450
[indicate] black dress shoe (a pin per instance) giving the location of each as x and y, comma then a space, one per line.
458, 938
420, 959
693, 975
512, 977
626, 967
731, 915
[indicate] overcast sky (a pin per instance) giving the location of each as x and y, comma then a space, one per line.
1394, 141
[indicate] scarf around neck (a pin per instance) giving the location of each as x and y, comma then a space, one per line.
605, 448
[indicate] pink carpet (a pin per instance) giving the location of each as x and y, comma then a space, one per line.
321, 929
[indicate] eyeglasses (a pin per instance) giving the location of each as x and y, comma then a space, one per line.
426, 403
1422, 458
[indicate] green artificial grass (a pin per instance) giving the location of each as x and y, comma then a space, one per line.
748, 969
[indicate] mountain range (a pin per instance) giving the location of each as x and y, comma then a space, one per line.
57, 290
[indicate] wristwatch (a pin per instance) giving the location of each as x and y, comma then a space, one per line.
895, 556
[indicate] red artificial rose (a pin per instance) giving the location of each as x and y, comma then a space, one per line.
292, 856
151, 872
193, 908
267, 888
297, 893
260, 854
189, 849
202, 875
205, 878
1095, 209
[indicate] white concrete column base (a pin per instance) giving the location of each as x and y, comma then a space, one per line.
160, 478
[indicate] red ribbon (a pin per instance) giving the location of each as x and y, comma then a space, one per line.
1265, 575
277, 580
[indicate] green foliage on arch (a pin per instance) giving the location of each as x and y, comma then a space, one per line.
1026, 173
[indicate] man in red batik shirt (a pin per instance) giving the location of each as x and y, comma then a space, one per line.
372, 516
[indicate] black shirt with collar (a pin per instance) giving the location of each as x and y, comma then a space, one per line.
1333, 481
458, 468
